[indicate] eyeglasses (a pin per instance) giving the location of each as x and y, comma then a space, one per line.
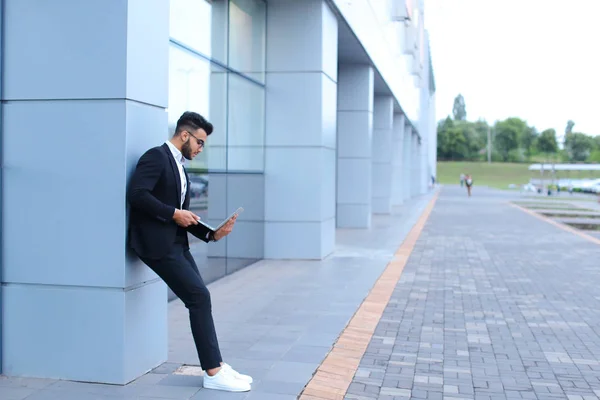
199, 141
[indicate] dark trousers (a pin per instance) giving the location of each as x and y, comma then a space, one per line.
179, 271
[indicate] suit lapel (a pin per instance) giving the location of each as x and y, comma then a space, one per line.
175, 173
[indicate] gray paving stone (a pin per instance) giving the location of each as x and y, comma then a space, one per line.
68, 395
356, 388
492, 304
256, 395
27, 383
306, 354
15, 393
166, 368
208, 394
181, 380
278, 387
289, 371
365, 396
149, 379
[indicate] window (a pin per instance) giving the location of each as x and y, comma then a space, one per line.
217, 68
201, 26
246, 125
247, 37
195, 84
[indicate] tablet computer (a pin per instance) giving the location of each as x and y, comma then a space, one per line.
216, 228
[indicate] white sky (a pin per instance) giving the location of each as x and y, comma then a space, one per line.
533, 59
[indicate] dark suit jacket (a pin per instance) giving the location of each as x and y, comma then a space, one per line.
154, 193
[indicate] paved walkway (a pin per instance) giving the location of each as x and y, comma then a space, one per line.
492, 304
276, 320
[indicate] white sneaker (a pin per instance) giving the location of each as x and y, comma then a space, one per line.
229, 369
223, 380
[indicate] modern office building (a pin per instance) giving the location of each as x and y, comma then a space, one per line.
323, 112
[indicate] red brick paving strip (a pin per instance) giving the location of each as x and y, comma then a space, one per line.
334, 375
553, 222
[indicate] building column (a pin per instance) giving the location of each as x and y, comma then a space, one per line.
383, 129
407, 161
433, 137
300, 129
78, 114
415, 164
424, 175
355, 133
1, 174
397, 160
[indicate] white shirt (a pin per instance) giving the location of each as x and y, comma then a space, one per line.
179, 160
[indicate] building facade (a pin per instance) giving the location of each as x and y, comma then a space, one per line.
323, 112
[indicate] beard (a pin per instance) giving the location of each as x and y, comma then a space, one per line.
186, 150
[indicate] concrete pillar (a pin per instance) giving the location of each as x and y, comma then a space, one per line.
415, 164
383, 129
407, 161
433, 137
397, 160
300, 129
82, 103
1, 169
424, 175
427, 125
355, 133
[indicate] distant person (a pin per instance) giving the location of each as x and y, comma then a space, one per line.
159, 195
469, 183
462, 180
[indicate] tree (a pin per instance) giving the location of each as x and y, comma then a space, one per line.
578, 145
595, 154
508, 135
569, 128
473, 141
452, 144
546, 143
481, 127
528, 140
442, 137
456, 144
596, 140
445, 124
460, 109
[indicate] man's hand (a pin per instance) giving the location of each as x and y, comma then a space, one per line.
225, 229
185, 218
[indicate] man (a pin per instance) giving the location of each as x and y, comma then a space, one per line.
159, 197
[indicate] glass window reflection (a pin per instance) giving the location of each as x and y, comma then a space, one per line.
246, 125
195, 84
217, 68
247, 37
200, 25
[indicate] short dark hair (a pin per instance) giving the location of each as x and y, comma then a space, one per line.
193, 121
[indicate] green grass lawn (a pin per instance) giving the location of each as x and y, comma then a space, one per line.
496, 175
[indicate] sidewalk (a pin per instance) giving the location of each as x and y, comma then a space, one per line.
481, 301
276, 320
493, 304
